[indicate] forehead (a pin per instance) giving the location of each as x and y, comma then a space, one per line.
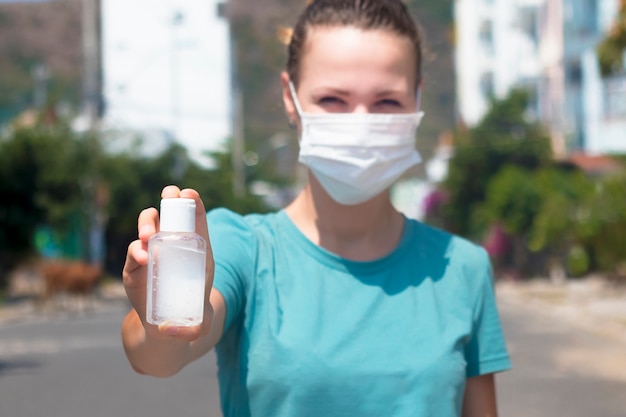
353, 57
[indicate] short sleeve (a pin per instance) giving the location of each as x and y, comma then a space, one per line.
233, 245
486, 350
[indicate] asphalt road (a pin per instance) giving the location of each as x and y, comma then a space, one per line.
74, 366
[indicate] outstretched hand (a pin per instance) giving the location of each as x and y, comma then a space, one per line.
135, 269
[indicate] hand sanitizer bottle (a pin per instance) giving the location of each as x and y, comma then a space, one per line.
176, 267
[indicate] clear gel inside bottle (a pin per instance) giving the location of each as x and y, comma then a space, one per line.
176, 267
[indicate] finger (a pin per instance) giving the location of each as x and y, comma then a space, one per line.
147, 224
134, 272
137, 256
171, 191
187, 333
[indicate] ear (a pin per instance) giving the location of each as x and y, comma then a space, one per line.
290, 107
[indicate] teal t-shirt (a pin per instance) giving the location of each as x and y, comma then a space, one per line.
308, 333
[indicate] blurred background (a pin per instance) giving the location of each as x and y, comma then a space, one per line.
103, 102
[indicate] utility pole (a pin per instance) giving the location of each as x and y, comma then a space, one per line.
91, 102
239, 176
91, 61
176, 22
238, 140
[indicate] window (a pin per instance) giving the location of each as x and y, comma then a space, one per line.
615, 97
486, 36
573, 72
222, 10
528, 23
581, 17
487, 85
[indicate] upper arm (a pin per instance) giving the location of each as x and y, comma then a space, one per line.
485, 351
479, 399
234, 247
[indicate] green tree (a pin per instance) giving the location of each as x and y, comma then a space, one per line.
554, 232
559, 220
503, 137
41, 182
602, 225
135, 183
545, 212
51, 176
512, 200
611, 50
565, 193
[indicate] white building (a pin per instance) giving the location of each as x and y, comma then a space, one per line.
548, 47
166, 68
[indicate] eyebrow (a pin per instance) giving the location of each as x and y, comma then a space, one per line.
329, 90
389, 93
339, 91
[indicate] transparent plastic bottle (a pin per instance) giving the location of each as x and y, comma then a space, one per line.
176, 267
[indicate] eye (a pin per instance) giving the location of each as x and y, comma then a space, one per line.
330, 100
332, 104
388, 102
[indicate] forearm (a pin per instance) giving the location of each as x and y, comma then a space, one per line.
152, 354
480, 397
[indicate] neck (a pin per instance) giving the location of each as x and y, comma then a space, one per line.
359, 232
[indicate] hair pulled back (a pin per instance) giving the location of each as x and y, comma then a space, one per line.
390, 15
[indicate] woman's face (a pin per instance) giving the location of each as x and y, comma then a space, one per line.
349, 70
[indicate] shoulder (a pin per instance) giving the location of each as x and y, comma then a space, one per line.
459, 256
223, 216
250, 227
455, 247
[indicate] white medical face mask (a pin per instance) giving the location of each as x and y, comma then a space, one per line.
356, 156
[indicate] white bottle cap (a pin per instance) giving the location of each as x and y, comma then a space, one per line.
178, 215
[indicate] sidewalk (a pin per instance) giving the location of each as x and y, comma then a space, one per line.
31, 308
592, 303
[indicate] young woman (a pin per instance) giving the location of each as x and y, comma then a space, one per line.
337, 305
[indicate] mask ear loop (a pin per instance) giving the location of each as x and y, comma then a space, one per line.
294, 97
418, 99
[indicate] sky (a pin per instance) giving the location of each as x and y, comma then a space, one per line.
166, 66
165, 76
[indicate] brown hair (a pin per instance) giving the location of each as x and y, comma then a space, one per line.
391, 15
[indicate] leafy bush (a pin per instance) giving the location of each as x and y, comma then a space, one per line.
552, 214
602, 226
577, 261
53, 177
501, 139
611, 49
